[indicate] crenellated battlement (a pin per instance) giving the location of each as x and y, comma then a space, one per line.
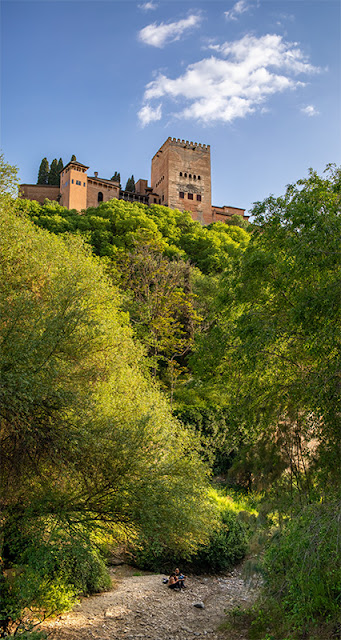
184, 144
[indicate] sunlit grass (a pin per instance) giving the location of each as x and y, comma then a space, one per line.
228, 499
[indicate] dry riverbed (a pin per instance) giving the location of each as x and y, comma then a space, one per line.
141, 606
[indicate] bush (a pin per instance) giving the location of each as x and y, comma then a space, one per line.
46, 579
83, 568
226, 546
302, 570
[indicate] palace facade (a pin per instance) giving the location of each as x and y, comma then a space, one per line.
180, 179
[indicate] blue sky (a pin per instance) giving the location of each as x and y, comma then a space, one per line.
109, 81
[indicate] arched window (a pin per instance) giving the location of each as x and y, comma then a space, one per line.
100, 196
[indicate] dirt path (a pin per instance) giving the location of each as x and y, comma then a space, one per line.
141, 606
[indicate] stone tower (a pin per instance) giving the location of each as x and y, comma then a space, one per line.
74, 185
181, 175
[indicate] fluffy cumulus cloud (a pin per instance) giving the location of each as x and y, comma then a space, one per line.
240, 7
148, 6
235, 84
158, 35
310, 110
147, 114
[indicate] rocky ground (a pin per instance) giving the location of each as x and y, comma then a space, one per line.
141, 606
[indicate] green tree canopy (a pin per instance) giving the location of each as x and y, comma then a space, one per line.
116, 177
8, 178
86, 438
275, 342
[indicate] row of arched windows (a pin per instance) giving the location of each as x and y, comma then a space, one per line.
190, 176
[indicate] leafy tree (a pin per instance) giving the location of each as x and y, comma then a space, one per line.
8, 178
116, 177
130, 185
161, 307
54, 173
44, 170
239, 221
87, 441
276, 339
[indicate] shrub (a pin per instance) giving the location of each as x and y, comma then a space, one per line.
226, 546
302, 571
84, 568
46, 579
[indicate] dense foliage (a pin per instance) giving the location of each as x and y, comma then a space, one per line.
110, 314
226, 545
302, 570
88, 444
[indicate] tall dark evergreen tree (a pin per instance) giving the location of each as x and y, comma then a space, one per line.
60, 167
44, 170
54, 173
116, 177
130, 186
73, 158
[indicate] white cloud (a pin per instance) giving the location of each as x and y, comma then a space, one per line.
235, 84
240, 7
310, 110
158, 35
148, 6
147, 114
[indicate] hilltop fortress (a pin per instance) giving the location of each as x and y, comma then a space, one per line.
180, 179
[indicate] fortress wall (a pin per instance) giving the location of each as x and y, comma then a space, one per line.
39, 192
220, 214
95, 187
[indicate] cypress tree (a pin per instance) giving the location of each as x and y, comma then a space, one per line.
60, 165
54, 174
116, 177
130, 186
44, 170
73, 158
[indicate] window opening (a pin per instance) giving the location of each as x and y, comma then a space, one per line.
199, 197
100, 196
190, 196
181, 194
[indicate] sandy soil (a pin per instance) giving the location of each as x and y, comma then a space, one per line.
141, 606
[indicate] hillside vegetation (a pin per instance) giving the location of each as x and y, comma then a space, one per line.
142, 353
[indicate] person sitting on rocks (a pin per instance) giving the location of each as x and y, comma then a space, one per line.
173, 582
181, 578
